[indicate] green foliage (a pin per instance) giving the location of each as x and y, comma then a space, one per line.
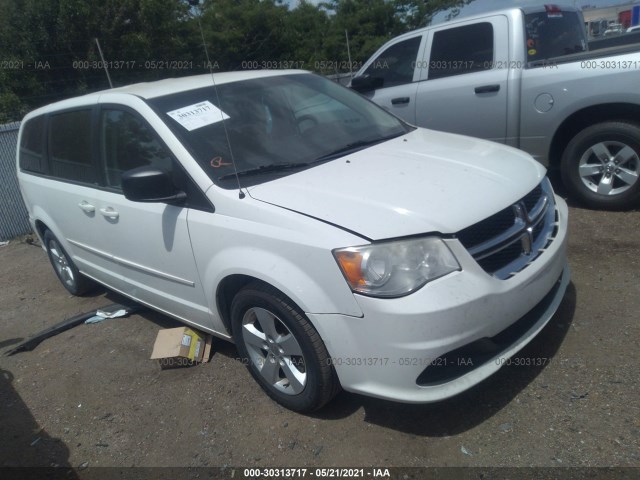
416, 14
53, 42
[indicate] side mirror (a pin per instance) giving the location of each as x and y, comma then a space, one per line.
149, 185
365, 83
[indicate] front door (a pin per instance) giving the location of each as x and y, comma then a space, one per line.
396, 68
149, 241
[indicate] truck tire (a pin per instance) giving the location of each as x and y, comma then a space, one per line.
601, 166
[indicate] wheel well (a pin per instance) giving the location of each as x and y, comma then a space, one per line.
228, 289
40, 229
585, 118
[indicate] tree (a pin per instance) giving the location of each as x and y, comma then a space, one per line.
240, 33
53, 45
369, 24
419, 13
305, 35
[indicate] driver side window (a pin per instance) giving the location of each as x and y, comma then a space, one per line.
127, 142
396, 65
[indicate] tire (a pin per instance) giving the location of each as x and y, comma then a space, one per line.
268, 329
601, 166
66, 270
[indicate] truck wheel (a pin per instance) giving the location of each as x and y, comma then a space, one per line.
66, 270
281, 349
601, 165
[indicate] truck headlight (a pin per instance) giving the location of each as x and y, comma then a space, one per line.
397, 268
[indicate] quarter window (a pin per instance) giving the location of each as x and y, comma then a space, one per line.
32, 146
126, 143
70, 146
461, 50
395, 66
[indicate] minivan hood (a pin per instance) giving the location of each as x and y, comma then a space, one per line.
422, 182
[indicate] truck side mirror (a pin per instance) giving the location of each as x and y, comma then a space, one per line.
366, 83
150, 184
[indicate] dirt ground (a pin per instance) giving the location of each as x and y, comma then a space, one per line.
91, 397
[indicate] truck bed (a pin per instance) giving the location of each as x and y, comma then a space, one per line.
592, 54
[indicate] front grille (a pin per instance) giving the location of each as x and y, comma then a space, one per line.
508, 241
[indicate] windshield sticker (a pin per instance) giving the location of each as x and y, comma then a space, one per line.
532, 52
198, 115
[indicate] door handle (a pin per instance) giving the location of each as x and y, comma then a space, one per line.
109, 212
400, 101
487, 89
86, 207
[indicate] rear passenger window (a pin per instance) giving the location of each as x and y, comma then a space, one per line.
127, 142
461, 50
70, 146
32, 146
395, 66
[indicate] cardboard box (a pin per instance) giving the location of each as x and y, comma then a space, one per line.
181, 347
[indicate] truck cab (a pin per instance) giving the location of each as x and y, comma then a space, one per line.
524, 77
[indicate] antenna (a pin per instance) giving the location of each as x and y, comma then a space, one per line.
241, 194
104, 64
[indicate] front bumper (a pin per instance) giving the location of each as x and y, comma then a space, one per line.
405, 349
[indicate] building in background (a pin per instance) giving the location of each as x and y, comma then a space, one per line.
599, 20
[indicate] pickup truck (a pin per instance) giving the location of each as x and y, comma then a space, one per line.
525, 77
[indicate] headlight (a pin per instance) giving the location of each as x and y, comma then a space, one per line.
397, 268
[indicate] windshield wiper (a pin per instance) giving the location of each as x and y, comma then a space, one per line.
276, 167
355, 146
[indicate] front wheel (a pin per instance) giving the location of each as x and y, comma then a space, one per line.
601, 166
281, 349
66, 270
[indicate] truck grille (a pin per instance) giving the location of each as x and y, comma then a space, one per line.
509, 241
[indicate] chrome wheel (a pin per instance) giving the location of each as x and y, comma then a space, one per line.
61, 264
274, 351
609, 168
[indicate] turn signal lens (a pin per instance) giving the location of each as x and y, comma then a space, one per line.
350, 263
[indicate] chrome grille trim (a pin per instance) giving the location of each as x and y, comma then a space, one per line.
533, 230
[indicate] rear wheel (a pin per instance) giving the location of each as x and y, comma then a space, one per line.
66, 270
281, 349
601, 166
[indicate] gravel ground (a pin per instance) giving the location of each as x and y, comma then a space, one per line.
91, 397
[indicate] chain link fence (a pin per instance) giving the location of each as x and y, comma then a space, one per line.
14, 219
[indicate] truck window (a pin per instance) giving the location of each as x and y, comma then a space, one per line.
32, 145
70, 146
395, 66
554, 34
126, 143
460, 50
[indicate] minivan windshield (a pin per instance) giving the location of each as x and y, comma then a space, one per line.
275, 125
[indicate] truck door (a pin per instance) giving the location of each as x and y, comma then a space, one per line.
463, 87
395, 70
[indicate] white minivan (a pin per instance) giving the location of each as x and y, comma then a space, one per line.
336, 245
